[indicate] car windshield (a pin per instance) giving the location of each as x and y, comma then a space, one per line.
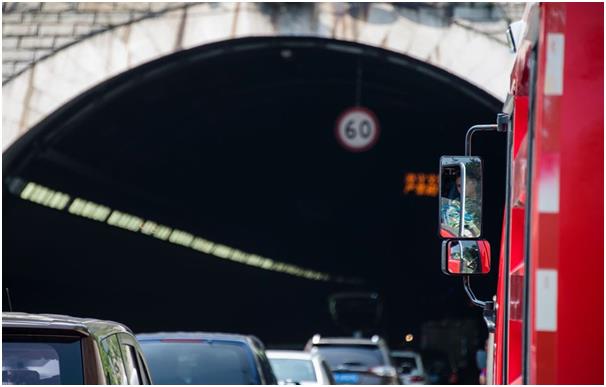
351, 355
41, 361
405, 364
297, 370
199, 362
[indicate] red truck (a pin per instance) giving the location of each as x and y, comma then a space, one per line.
546, 321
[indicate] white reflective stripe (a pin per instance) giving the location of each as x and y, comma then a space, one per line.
490, 359
546, 305
549, 184
554, 67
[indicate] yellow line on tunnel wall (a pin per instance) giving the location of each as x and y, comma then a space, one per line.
47, 197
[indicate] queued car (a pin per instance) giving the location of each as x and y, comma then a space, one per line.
206, 358
355, 360
409, 366
55, 349
297, 367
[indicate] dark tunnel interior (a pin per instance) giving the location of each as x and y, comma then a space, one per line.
234, 142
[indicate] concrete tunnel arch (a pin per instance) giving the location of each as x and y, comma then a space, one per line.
233, 142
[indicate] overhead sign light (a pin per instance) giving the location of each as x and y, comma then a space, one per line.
421, 184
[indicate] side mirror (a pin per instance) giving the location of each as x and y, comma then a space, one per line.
460, 197
465, 257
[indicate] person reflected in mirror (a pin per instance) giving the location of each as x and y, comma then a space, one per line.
469, 260
451, 209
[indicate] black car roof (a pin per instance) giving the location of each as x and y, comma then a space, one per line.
85, 326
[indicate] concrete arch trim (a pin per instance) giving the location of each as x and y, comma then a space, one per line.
41, 136
93, 34
52, 82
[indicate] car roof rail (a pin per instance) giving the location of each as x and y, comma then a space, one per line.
316, 338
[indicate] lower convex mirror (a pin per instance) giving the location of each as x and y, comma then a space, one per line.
465, 257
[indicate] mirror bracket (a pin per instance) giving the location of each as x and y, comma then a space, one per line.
470, 294
489, 312
501, 126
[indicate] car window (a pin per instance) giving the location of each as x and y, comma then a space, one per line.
113, 364
328, 373
405, 364
259, 350
351, 355
297, 370
199, 362
145, 375
41, 360
132, 367
268, 372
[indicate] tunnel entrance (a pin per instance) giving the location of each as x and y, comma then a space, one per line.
231, 147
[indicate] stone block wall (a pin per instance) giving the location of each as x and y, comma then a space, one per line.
32, 31
55, 51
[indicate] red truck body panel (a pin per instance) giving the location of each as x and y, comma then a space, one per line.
562, 202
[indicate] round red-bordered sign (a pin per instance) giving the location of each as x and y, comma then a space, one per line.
357, 129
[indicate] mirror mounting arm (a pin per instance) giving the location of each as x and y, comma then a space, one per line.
462, 219
472, 297
501, 126
490, 316
488, 306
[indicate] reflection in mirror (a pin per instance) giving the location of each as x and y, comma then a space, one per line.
460, 177
465, 257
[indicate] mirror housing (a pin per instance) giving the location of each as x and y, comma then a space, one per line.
460, 177
465, 257
514, 35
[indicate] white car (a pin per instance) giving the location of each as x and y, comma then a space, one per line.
409, 366
298, 367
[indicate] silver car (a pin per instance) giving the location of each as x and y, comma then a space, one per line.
297, 367
355, 360
410, 367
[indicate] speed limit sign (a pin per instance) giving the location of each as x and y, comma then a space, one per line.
357, 129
